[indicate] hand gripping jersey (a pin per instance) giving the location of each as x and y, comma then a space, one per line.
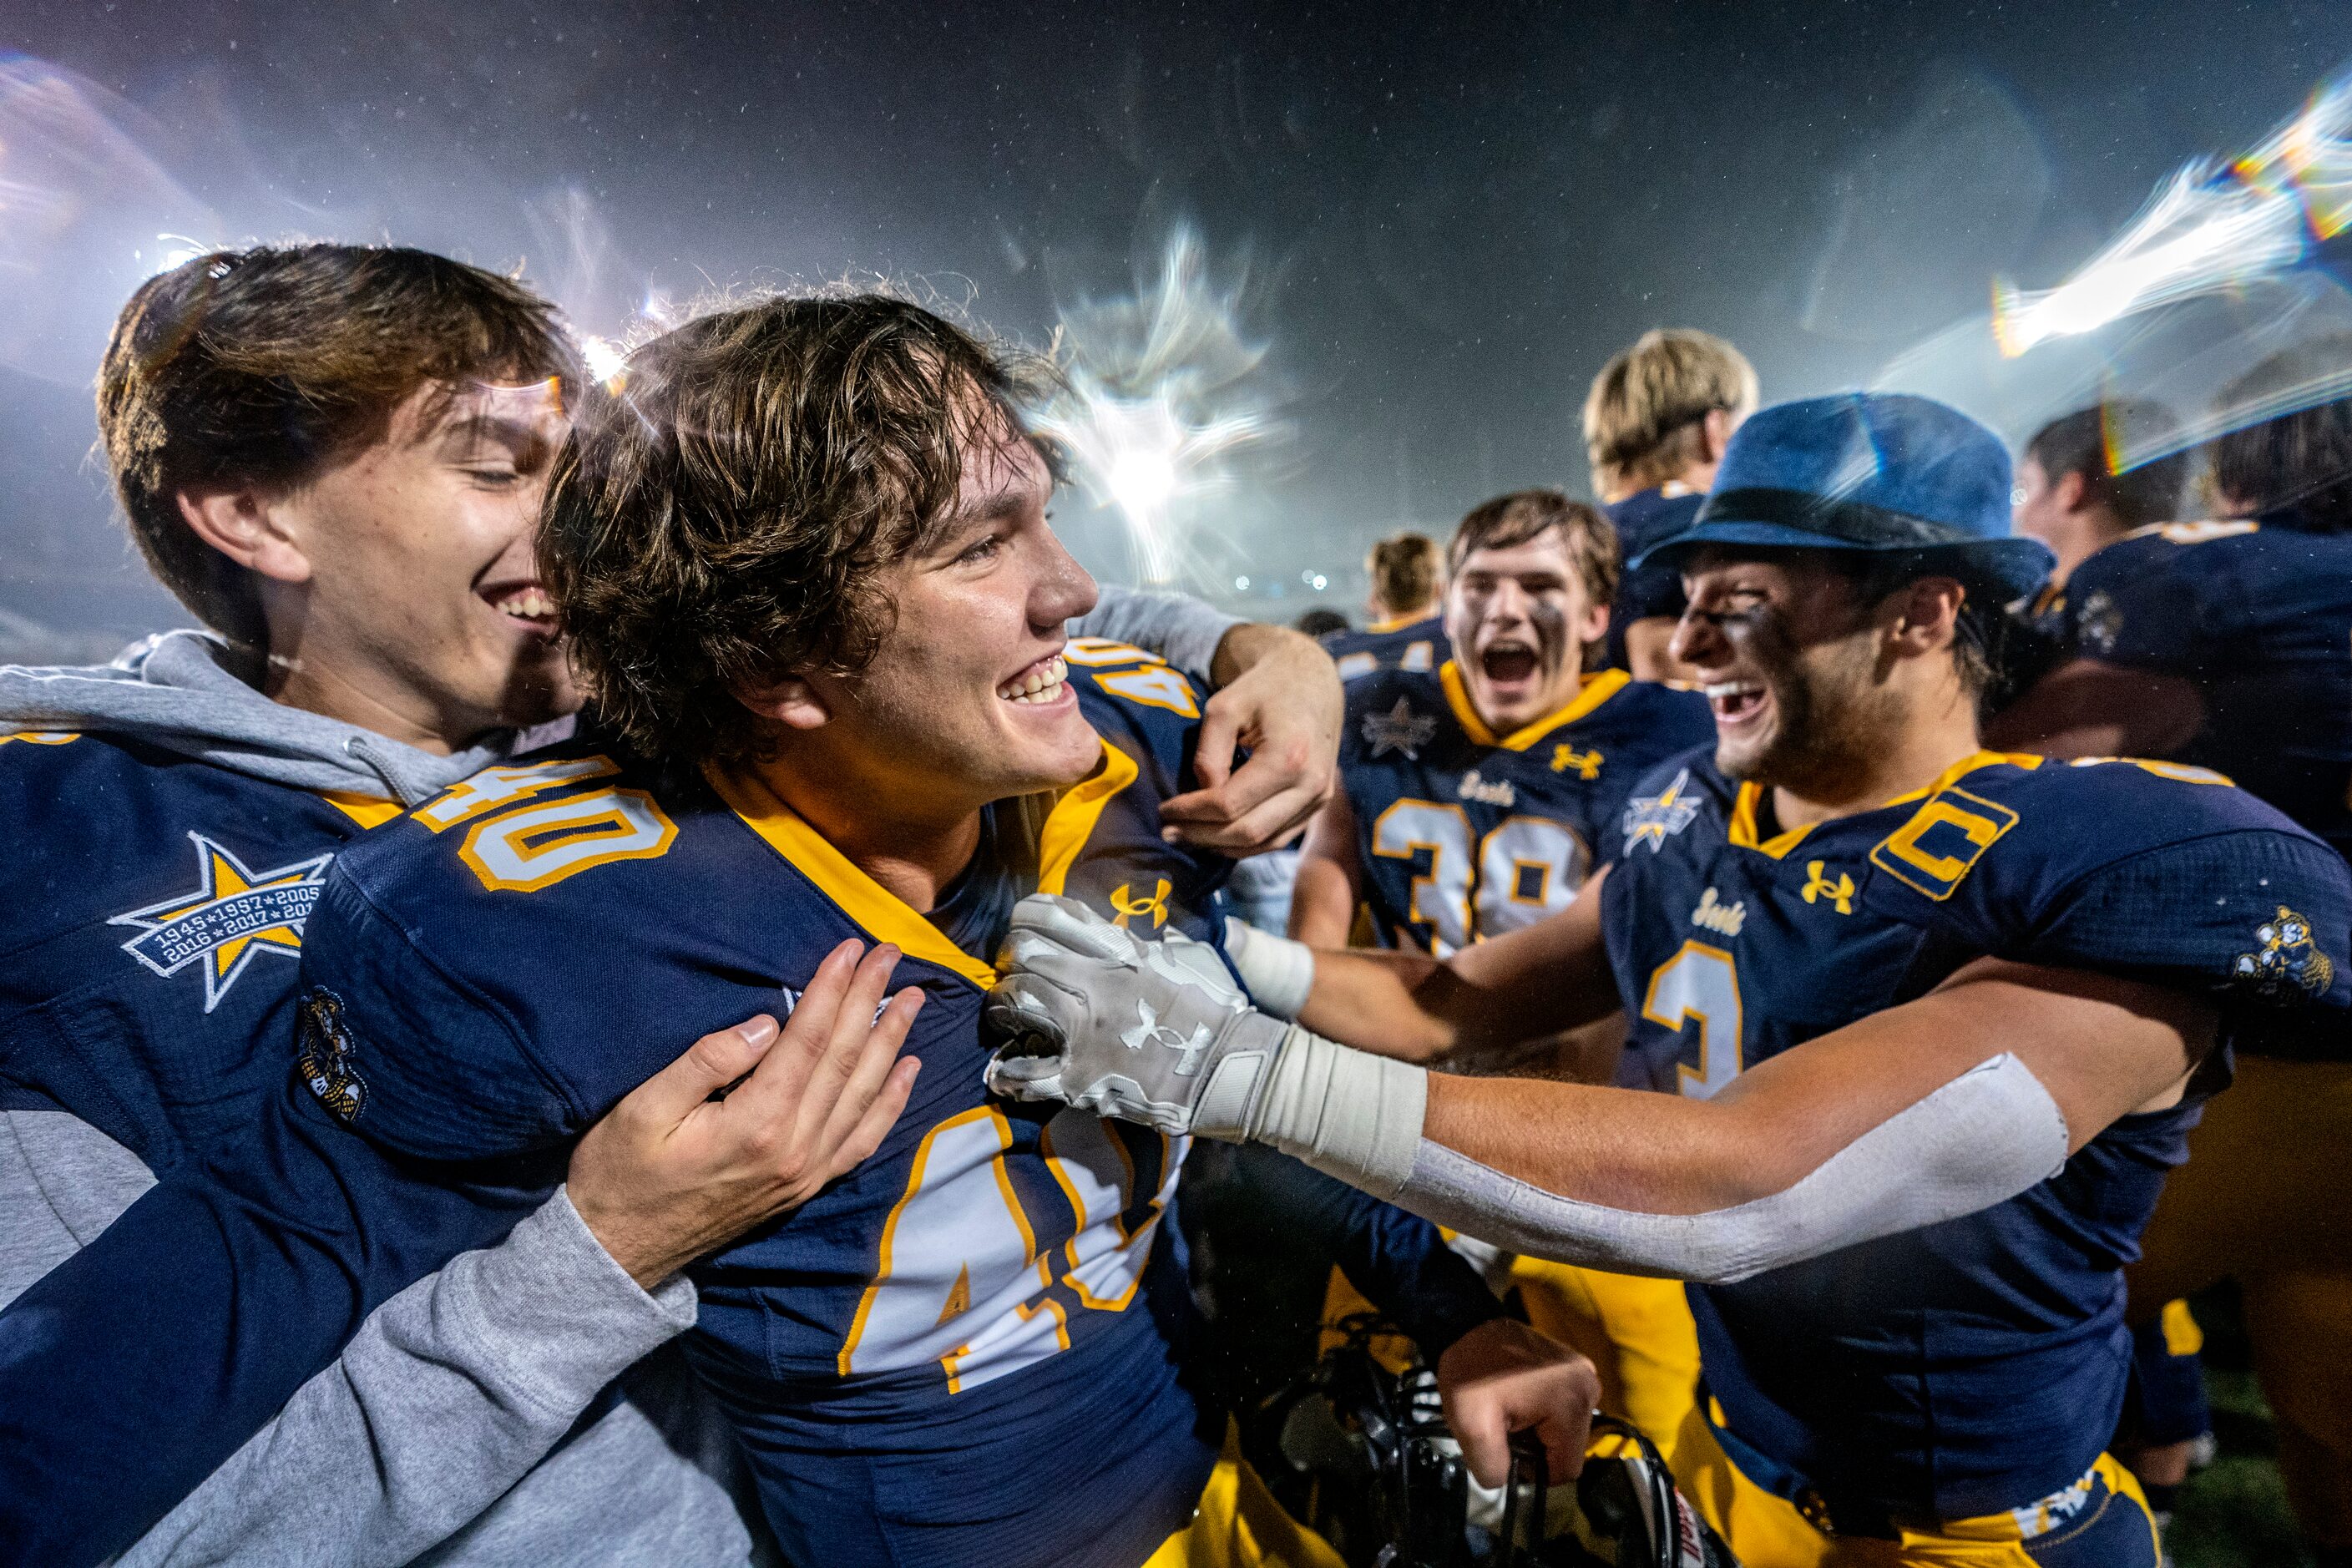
2259, 615
1417, 644
962, 1352
1973, 1366
152, 914
1463, 834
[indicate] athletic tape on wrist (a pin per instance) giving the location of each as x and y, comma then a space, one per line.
1349, 1114
1278, 972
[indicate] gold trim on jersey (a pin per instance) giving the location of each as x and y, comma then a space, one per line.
880, 912
1072, 821
1398, 623
1741, 826
366, 810
1597, 688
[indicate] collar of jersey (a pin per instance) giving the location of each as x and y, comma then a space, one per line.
882, 913
1741, 829
1596, 689
1398, 623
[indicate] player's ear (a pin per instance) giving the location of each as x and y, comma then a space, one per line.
790, 700
257, 530
1925, 615
2070, 492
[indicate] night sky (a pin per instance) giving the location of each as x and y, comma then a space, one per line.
1445, 225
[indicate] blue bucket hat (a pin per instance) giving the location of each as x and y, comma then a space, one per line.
1868, 470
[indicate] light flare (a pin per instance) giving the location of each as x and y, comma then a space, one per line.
607, 362
2209, 228
1159, 392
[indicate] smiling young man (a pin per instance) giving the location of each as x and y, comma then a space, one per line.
1933, 1024
893, 758
335, 456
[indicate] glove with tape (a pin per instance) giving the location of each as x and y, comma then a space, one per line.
1158, 1032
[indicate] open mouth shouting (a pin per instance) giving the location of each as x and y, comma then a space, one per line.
1736, 703
1044, 684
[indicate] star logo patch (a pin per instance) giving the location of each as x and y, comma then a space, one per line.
1398, 729
232, 914
1652, 819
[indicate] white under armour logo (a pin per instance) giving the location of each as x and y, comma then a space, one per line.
1150, 1031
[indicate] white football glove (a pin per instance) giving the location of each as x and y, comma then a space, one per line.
1155, 1032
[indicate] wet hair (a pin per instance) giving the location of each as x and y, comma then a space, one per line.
2301, 459
1981, 632
1404, 572
1641, 417
2080, 443
263, 366
1523, 515
724, 519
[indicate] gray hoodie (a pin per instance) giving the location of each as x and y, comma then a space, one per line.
440, 1435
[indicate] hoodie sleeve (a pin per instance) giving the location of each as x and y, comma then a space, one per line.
1183, 631
450, 1393
262, 1268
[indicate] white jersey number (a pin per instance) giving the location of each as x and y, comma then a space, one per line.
1525, 868
1700, 983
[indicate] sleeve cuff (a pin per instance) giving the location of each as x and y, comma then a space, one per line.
555, 1309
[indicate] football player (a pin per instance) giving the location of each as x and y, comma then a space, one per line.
991, 1298
1405, 631
1933, 1023
1656, 421
2228, 644
1475, 799
335, 456
2069, 496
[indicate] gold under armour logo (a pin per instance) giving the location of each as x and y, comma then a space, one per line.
1566, 758
1128, 906
1839, 893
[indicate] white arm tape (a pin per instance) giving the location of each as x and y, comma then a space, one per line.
1981, 1140
1278, 972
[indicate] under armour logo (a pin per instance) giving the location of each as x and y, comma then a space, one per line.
1130, 907
1150, 1031
1840, 893
1566, 758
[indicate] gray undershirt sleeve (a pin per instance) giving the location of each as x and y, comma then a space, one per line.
450, 1393
1183, 631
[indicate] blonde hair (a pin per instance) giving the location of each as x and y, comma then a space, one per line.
1403, 568
1642, 417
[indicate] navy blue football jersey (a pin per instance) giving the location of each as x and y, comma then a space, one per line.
1643, 593
1966, 1367
963, 1353
2259, 615
1417, 644
1462, 833
152, 914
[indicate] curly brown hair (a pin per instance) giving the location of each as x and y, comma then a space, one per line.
262, 366
723, 520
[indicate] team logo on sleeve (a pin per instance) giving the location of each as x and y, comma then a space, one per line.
325, 1056
230, 916
1398, 729
2286, 963
1652, 819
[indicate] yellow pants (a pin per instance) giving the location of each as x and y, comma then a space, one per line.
1239, 1525
2102, 1518
2264, 1199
